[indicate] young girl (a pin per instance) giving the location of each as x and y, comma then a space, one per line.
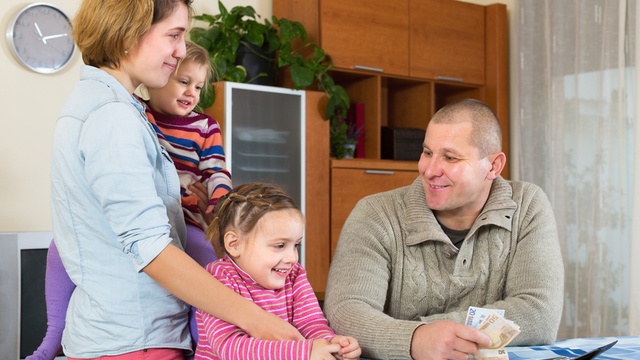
259, 228
193, 139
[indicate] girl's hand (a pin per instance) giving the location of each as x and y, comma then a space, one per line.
349, 347
323, 350
200, 191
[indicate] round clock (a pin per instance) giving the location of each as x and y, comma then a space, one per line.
40, 38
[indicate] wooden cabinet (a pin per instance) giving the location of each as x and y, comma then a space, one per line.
358, 34
351, 180
446, 41
453, 50
457, 50
369, 34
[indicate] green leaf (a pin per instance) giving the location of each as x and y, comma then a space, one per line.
207, 97
290, 30
301, 76
256, 34
206, 18
236, 74
222, 9
318, 54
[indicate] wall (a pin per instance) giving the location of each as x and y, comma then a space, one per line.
29, 104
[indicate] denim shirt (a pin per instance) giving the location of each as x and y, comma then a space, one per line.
115, 198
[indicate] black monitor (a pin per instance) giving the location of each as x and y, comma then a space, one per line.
23, 316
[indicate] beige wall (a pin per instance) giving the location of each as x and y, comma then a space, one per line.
29, 105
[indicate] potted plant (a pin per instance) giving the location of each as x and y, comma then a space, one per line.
281, 41
345, 139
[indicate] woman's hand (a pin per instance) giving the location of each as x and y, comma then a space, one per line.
267, 326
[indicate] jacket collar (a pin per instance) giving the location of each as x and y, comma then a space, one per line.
421, 224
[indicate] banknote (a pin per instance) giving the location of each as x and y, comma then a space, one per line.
500, 330
491, 354
476, 315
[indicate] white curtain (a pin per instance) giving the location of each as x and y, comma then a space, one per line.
575, 134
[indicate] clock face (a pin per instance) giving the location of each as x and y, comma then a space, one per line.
40, 37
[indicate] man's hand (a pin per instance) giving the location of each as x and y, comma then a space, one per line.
446, 340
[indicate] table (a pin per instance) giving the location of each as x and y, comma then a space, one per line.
628, 347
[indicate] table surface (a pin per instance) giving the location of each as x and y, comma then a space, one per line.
628, 347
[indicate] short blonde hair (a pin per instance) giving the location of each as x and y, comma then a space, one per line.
104, 30
487, 133
198, 55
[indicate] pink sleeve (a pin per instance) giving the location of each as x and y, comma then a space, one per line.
307, 314
222, 340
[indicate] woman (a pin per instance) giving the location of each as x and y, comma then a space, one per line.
117, 217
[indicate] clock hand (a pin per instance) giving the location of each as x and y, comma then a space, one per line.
38, 29
39, 32
44, 39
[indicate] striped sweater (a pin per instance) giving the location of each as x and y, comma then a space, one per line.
195, 145
295, 303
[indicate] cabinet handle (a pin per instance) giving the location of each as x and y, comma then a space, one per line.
362, 67
379, 172
449, 78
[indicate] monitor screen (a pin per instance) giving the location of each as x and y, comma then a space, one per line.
23, 309
33, 311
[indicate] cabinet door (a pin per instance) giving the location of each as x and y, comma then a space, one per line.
366, 33
446, 40
348, 185
264, 136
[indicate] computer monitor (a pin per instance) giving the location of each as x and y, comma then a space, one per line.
23, 317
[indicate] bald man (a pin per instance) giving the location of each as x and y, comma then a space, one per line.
410, 261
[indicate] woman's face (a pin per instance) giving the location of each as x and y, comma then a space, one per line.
155, 58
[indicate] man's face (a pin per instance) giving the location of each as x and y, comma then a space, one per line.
454, 177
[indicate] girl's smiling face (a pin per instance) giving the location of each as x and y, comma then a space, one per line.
270, 250
182, 93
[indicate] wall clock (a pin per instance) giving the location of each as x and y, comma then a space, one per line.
40, 38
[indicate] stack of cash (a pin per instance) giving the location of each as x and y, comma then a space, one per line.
500, 330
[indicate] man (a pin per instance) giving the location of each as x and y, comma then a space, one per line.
411, 261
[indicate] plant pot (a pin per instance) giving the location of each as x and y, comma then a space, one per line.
349, 151
260, 65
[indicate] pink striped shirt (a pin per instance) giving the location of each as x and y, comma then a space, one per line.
295, 303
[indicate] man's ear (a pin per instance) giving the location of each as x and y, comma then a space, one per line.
498, 161
232, 243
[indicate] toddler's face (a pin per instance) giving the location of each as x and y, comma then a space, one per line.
182, 93
269, 252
